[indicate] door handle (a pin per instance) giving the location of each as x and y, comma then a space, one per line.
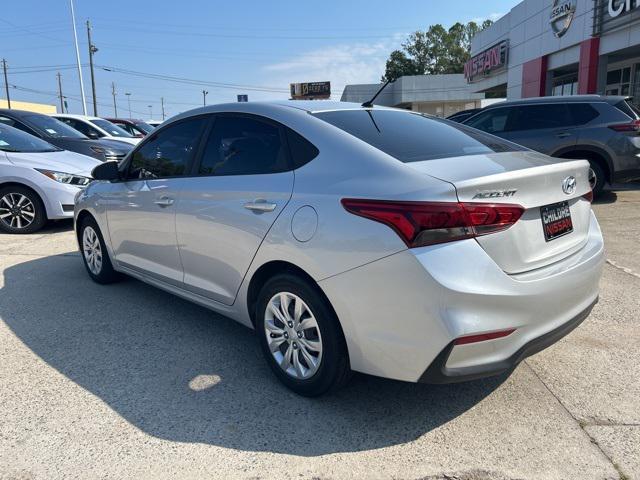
164, 202
260, 206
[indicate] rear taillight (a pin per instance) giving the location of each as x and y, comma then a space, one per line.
633, 126
429, 223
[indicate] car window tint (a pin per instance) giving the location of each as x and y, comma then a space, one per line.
80, 126
492, 121
411, 137
302, 151
15, 124
582, 113
169, 152
537, 117
243, 146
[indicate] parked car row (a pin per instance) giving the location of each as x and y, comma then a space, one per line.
603, 130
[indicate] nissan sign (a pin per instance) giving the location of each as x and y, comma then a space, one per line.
562, 15
488, 61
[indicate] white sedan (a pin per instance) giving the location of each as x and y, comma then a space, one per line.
97, 128
38, 182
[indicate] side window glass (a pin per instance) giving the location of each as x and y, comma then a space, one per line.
538, 117
92, 132
302, 151
243, 146
168, 153
582, 113
494, 121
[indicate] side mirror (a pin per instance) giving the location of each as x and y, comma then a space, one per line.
106, 171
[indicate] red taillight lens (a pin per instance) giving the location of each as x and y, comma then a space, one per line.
483, 337
633, 126
429, 223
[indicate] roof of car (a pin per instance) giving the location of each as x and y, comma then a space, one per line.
18, 113
562, 99
120, 119
72, 115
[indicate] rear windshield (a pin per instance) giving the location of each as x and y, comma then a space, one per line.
411, 137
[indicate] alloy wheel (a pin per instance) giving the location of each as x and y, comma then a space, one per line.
17, 211
293, 335
92, 250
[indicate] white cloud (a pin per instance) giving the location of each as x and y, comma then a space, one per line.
341, 64
492, 16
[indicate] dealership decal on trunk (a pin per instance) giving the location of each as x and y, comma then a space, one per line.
556, 220
562, 15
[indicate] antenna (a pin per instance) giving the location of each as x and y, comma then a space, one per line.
369, 104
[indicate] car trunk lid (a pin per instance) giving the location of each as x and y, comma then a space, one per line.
533, 181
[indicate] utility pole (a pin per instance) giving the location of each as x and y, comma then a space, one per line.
75, 38
113, 92
204, 97
60, 91
162, 103
128, 94
6, 82
150, 112
92, 50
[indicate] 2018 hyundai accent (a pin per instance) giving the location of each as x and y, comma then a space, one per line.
353, 239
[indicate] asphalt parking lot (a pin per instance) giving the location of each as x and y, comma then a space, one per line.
126, 381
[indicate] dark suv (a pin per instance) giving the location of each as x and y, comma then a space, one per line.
603, 130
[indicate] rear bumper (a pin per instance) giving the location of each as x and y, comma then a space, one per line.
401, 314
438, 372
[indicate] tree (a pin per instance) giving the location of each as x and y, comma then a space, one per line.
434, 51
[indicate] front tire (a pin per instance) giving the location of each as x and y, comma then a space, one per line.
21, 210
300, 336
597, 178
94, 253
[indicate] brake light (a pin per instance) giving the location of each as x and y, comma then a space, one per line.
633, 126
588, 196
429, 223
483, 337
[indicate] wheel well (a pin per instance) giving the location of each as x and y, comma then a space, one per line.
22, 185
81, 216
589, 155
270, 269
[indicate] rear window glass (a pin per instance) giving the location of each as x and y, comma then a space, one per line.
411, 137
629, 108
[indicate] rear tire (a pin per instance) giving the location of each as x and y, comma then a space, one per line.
300, 336
21, 210
94, 253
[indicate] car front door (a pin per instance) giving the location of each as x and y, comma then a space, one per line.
142, 208
239, 187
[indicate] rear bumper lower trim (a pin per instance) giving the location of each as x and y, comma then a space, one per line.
438, 373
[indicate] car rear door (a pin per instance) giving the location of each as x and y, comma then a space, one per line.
240, 185
142, 209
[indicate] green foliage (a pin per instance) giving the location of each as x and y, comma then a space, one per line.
434, 51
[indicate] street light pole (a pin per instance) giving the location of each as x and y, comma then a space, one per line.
75, 38
6, 82
60, 92
128, 94
150, 112
204, 97
113, 92
92, 50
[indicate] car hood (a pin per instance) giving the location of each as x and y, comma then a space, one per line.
62, 161
115, 146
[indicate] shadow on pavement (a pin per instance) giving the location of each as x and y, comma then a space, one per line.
181, 373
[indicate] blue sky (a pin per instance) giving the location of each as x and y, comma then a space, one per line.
260, 45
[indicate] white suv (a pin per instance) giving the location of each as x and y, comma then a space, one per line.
96, 128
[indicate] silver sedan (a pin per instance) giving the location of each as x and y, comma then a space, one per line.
353, 239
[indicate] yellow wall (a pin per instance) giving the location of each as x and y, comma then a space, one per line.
31, 107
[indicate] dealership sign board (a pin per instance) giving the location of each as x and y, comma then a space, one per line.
562, 14
490, 60
311, 91
612, 14
618, 7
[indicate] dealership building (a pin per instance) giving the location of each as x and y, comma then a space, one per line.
559, 47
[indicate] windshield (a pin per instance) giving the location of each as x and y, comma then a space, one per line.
411, 137
52, 127
14, 140
145, 127
110, 128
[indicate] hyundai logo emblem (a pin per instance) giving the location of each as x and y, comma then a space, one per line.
569, 185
